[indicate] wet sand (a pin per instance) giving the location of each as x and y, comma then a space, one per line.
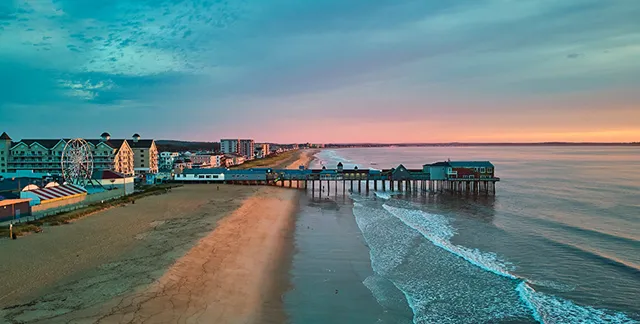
120, 265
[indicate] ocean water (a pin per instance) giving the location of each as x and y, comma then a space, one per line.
558, 243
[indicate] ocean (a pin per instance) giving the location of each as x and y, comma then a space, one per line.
558, 243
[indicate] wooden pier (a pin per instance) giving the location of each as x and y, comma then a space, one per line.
442, 177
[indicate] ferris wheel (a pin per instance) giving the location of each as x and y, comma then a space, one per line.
77, 162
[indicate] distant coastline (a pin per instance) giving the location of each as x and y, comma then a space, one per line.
454, 144
178, 145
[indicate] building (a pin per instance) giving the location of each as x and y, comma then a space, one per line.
14, 209
244, 147
54, 196
5, 146
262, 150
247, 148
460, 170
145, 155
181, 164
233, 159
472, 169
207, 160
167, 159
230, 146
44, 155
112, 180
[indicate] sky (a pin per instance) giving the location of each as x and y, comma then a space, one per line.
322, 71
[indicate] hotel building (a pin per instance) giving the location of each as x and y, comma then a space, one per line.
45, 155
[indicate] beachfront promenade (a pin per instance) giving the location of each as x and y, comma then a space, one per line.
456, 177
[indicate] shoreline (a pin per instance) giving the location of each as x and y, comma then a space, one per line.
244, 222
242, 281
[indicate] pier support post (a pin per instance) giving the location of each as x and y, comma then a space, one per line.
336, 188
351, 186
383, 186
313, 187
359, 186
328, 189
375, 185
344, 187
367, 186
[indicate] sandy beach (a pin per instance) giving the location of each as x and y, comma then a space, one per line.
199, 254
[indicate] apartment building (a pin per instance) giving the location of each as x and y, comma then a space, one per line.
244, 147
247, 148
228, 146
45, 155
145, 155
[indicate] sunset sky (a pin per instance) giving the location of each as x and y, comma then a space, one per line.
322, 71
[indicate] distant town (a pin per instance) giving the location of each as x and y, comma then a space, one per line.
33, 180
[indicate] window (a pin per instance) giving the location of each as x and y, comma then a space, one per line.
208, 177
141, 155
489, 170
201, 176
482, 170
142, 165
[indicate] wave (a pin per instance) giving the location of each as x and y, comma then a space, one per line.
619, 238
550, 309
624, 265
544, 308
436, 228
386, 195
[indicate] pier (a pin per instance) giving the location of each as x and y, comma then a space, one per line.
456, 177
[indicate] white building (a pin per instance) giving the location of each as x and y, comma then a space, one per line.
228, 146
167, 159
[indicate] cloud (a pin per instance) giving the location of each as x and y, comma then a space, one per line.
234, 58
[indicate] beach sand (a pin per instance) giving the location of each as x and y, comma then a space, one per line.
139, 262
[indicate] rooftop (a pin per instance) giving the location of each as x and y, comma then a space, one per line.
9, 202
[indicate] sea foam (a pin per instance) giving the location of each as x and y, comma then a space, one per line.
544, 308
436, 228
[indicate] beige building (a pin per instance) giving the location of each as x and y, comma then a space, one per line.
145, 155
44, 155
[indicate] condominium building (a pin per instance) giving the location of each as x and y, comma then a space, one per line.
247, 148
230, 146
244, 147
145, 155
45, 155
